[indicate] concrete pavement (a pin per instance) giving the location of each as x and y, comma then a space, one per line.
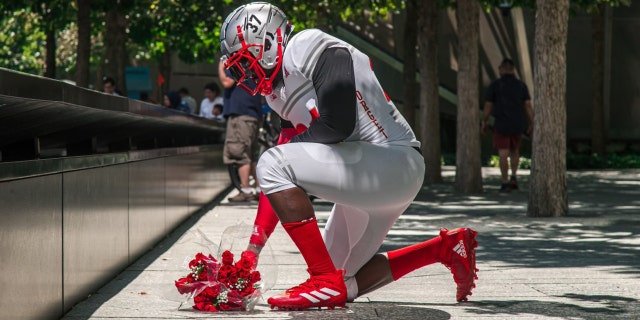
584, 266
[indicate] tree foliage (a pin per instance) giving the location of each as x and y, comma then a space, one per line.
588, 6
21, 42
24, 26
190, 27
591, 6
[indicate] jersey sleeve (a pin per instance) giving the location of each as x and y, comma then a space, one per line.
334, 83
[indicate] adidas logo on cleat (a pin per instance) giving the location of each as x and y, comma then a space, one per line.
459, 249
319, 291
314, 295
459, 255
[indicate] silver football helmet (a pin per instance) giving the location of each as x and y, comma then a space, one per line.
252, 40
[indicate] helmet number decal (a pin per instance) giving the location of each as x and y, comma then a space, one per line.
251, 23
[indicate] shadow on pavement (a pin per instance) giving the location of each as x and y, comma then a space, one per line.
602, 228
374, 310
564, 242
607, 307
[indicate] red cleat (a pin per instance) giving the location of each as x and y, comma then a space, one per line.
459, 255
324, 290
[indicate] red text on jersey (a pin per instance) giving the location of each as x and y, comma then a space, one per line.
369, 113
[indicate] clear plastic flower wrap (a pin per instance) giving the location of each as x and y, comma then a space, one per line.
221, 277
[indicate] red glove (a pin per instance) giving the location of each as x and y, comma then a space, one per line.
287, 134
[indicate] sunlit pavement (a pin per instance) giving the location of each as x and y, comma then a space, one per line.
584, 266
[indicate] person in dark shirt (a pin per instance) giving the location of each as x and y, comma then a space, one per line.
508, 101
243, 113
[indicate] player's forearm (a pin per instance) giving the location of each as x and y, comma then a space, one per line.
486, 111
529, 107
226, 81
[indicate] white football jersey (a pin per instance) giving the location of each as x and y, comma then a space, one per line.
378, 119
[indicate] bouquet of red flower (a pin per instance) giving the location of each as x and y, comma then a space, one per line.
221, 285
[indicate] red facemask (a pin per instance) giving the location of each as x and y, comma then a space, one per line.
246, 69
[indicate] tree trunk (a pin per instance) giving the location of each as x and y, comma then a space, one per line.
50, 59
468, 162
84, 43
548, 188
409, 66
115, 40
429, 120
598, 136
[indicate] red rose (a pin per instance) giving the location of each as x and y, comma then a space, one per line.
193, 263
201, 298
233, 278
199, 306
200, 256
251, 258
248, 290
255, 276
224, 273
245, 274
244, 264
227, 257
224, 306
182, 285
213, 290
204, 306
210, 308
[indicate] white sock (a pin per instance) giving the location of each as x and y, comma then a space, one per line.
352, 288
247, 190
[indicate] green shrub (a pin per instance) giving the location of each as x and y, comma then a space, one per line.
448, 159
574, 161
607, 161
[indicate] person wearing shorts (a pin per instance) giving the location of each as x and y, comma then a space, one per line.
347, 144
243, 113
507, 100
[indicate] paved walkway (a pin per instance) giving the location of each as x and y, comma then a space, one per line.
584, 266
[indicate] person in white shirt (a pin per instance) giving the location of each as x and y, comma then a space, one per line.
211, 98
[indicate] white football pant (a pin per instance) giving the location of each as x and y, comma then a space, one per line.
370, 186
